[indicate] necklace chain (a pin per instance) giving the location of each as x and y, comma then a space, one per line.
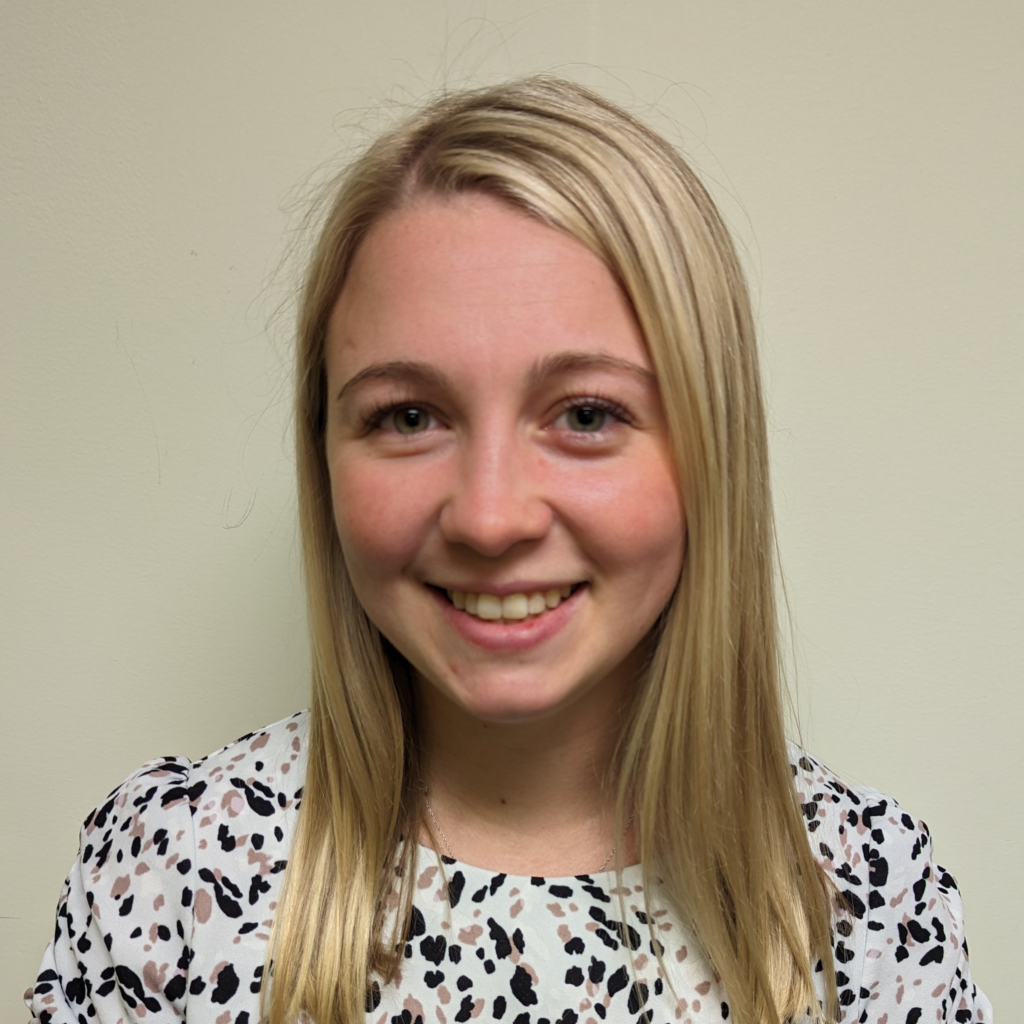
448, 846
440, 831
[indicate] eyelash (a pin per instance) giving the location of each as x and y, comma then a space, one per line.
594, 401
376, 414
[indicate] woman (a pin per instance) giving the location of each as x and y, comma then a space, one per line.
538, 551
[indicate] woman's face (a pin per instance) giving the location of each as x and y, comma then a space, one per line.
500, 470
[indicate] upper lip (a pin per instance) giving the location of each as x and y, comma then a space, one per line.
504, 589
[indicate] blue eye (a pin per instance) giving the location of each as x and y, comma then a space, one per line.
586, 418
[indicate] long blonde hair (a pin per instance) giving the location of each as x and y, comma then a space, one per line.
703, 757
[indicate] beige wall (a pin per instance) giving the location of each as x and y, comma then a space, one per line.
869, 157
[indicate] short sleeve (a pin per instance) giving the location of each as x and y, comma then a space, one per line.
916, 966
121, 947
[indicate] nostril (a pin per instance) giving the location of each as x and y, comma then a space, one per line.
492, 516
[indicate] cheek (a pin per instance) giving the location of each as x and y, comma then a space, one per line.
636, 520
381, 516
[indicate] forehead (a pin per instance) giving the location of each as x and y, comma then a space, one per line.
469, 278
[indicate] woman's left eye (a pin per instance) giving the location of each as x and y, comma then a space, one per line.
589, 417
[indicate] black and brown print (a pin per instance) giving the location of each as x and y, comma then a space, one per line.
166, 915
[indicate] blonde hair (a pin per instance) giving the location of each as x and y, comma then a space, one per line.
703, 757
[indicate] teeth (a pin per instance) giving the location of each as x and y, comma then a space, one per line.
512, 607
515, 606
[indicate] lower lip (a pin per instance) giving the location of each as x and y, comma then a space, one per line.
509, 636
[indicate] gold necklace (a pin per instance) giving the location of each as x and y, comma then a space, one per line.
448, 847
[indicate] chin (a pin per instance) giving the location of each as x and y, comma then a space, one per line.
507, 702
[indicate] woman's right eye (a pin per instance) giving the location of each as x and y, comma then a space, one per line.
405, 419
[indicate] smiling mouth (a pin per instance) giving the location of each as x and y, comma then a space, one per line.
511, 607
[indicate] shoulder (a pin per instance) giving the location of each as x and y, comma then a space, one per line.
258, 774
265, 767
202, 805
181, 862
898, 933
863, 839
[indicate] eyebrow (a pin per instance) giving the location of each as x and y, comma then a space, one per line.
559, 363
407, 371
411, 371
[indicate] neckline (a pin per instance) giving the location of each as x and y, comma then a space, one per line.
431, 856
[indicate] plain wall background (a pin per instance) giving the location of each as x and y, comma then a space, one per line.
868, 157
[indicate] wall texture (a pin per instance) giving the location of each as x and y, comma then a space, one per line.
869, 158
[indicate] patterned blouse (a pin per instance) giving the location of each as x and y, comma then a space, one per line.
167, 910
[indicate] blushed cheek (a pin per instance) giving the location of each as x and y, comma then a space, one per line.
638, 523
658, 529
381, 518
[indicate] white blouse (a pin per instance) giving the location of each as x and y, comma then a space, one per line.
167, 911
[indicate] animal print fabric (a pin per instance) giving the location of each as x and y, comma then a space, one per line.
167, 910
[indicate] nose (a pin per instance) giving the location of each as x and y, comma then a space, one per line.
496, 501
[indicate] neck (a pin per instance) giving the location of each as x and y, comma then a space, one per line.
529, 798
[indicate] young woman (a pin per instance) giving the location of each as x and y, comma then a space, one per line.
544, 775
